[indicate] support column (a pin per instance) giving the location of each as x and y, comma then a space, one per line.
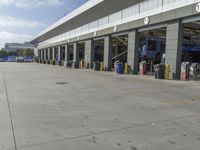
49, 54
59, 53
53, 56
133, 51
53, 53
108, 53
45, 54
76, 56
89, 53
42, 54
174, 48
59, 56
76, 52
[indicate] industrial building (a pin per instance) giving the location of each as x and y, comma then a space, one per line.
16, 46
130, 31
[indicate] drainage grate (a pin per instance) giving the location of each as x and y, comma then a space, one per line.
61, 83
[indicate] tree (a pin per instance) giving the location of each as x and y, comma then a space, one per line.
12, 53
28, 52
20, 52
3, 53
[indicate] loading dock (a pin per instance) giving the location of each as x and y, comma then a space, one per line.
152, 47
191, 42
99, 50
119, 49
71, 52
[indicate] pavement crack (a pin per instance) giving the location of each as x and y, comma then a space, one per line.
10, 112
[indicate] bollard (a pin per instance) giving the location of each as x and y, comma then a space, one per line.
53, 62
81, 64
86, 65
167, 71
101, 66
62, 63
125, 68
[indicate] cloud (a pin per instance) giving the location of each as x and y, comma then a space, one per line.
13, 37
30, 3
8, 21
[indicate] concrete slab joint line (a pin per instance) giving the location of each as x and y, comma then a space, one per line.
10, 112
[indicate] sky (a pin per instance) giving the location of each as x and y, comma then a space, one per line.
20, 20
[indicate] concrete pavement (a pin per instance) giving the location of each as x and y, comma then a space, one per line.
95, 110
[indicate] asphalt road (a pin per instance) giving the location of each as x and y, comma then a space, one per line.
45, 107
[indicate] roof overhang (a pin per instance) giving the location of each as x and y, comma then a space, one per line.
88, 12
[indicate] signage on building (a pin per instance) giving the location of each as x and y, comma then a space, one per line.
115, 28
146, 20
95, 33
198, 7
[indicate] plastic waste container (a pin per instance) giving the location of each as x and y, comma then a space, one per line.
119, 68
75, 64
194, 71
159, 71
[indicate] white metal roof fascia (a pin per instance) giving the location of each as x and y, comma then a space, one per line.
76, 12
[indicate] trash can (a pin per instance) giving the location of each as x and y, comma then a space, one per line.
75, 64
96, 66
119, 68
159, 71
58, 62
185, 71
194, 71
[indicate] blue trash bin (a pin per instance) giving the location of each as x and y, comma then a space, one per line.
120, 68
